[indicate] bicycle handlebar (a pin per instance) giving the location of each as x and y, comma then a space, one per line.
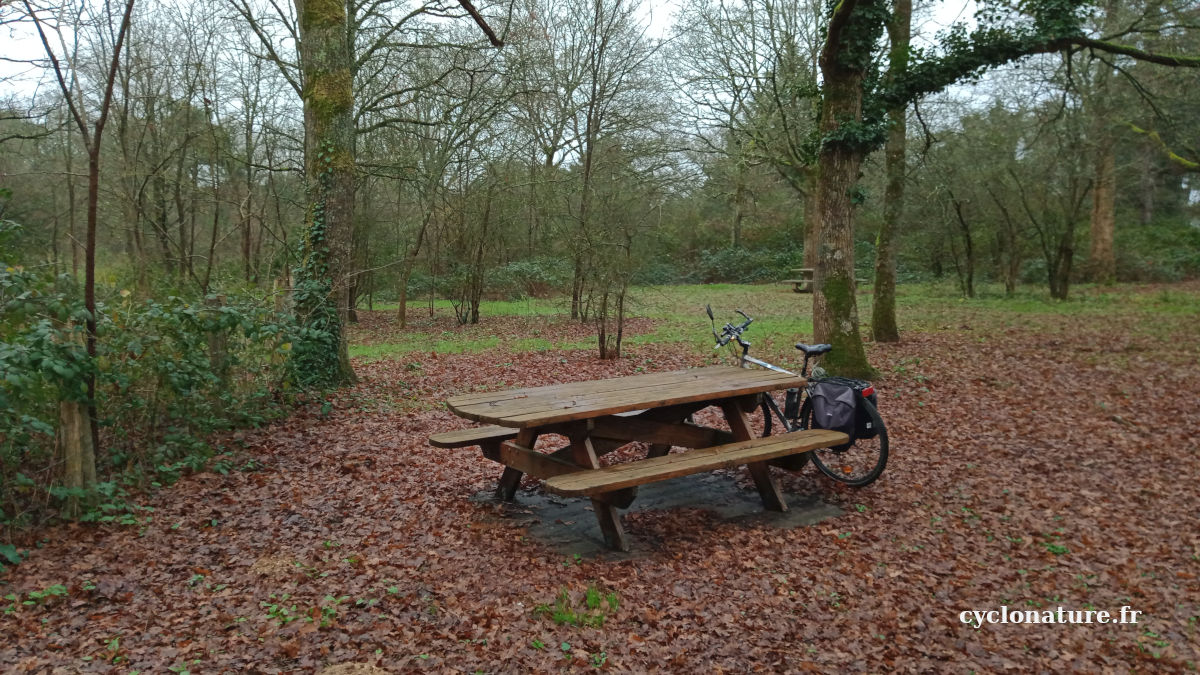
732, 332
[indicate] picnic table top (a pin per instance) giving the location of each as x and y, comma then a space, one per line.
540, 406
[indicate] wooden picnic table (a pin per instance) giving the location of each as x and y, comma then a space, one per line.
600, 416
805, 280
803, 283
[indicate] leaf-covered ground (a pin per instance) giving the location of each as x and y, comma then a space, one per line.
1039, 460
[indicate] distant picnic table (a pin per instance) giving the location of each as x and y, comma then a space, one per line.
805, 280
600, 416
803, 283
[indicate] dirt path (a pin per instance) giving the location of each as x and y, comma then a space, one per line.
1043, 465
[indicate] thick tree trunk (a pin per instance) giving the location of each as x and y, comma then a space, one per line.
1102, 261
323, 293
835, 307
883, 314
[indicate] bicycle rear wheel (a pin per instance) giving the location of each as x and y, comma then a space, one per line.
861, 463
770, 420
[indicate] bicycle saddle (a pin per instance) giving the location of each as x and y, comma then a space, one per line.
813, 350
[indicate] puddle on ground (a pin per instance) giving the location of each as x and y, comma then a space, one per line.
568, 526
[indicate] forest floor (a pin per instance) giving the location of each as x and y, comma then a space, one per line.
1044, 455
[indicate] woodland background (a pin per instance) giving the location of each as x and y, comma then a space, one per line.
162, 256
248, 247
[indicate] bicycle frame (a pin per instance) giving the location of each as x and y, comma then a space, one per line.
793, 398
790, 417
792, 401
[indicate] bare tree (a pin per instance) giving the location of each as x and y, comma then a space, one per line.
110, 25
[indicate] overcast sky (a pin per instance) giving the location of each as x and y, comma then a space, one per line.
20, 42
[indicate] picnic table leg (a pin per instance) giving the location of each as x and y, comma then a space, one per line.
768, 487
622, 499
584, 455
510, 480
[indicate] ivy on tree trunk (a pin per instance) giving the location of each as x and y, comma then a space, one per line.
883, 313
322, 292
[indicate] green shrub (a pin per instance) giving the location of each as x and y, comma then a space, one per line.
661, 271
167, 375
534, 278
742, 265
1163, 251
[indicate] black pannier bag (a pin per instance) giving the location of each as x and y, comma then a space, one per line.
835, 402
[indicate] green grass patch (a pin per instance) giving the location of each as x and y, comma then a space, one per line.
423, 342
783, 318
525, 307
592, 609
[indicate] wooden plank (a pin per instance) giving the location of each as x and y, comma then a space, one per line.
768, 487
681, 435
591, 386
510, 479
618, 498
586, 408
650, 387
534, 463
550, 410
465, 438
634, 388
552, 396
598, 481
658, 451
606, 512
674, 413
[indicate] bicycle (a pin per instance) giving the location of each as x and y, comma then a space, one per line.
857, 463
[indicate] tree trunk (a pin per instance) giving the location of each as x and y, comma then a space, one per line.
1149, 183
883, 314
75, 451
322, 296
739, 194
812, 223
968, 275
71, 212
1102, 261
74, 441
402, 293
89, 290
835, 307
218, 340
577, 290
1060, 272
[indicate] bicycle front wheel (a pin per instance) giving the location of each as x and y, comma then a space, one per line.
861, 463
771, 421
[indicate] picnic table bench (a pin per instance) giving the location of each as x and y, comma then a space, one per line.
600, 416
